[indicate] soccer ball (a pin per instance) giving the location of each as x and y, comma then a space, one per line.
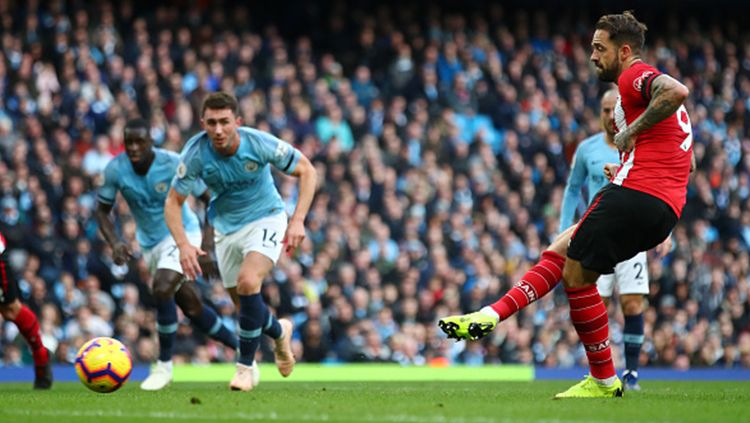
103, 364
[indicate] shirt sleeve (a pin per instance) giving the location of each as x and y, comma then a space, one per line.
107, 192
199, 187
572, 195
277, 152
637, 85
187, 176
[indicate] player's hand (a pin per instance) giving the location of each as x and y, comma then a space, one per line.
189, 255
121, 253
664, 248
610, 170
208, 262
624, 140
295, 234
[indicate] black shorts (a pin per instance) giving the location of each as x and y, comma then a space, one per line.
8, 284
620, 223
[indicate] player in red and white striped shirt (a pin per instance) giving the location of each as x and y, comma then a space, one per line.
634, 213
12, 310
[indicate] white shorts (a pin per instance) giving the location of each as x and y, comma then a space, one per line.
263, 236
631, 277
166, 255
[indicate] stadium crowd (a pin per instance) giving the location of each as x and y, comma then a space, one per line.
442, 141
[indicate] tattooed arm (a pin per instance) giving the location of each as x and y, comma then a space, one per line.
667, 95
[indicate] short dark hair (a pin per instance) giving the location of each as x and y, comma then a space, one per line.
624, 28
220, 100
138, 123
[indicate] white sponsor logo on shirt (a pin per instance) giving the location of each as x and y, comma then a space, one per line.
282, 149
638, 82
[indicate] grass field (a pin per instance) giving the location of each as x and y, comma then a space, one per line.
409, 402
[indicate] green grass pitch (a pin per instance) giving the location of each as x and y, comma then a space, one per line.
382, 394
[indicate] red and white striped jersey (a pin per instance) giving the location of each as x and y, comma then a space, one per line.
659, 163
2, 243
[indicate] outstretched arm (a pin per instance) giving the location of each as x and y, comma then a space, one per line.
308, 179
188, 253
667, 95
120, 251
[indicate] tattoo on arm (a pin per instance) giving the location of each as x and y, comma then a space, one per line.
667, 96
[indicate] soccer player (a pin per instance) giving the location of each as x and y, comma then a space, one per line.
12, 310
248, 217
634, 213
630, 275
143, 174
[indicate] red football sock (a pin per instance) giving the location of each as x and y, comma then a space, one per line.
535, 283
28, 325
589, 316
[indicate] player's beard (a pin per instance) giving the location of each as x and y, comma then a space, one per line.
607, 74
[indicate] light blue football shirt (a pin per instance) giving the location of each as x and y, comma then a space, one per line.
145, 194
588, 165
242, 188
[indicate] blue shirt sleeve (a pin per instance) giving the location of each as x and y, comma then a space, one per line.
572, 195
199, 187
108, 190
277, 152
187, 176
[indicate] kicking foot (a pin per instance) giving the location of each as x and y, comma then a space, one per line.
160, 376
245, 378
591, 388
470, 326
283, 349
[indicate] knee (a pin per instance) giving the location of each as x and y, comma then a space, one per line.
10, 311
569, 277
162, 291
575, 276
249, 284
632, 305
560, 244
189, 302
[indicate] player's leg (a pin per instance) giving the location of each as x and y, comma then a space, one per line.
260, 248
535, 283
593, 251
28, 325
164, 281
589, 317
606, 285
202, 315
632, 282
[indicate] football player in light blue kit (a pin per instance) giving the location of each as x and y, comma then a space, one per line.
248, 217
143, 175
631, 275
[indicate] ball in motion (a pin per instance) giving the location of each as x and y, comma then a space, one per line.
103, 364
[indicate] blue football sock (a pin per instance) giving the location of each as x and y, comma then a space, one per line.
633, 339
210, 323
251, 327
166, 325
271, 326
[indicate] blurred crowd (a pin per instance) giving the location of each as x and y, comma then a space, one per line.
442, 141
